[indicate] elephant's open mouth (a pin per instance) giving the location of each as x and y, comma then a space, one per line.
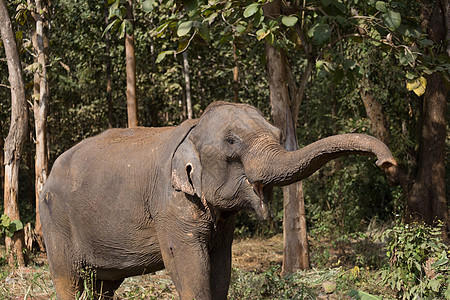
261, 208
258, 188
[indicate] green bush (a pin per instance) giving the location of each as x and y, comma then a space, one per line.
8, 227
267, 285
418, 262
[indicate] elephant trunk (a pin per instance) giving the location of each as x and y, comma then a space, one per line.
280, 167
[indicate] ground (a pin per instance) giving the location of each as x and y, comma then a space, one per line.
256, 273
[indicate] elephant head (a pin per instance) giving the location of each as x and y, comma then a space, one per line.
233, 157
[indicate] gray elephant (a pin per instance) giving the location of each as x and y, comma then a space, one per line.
133, 201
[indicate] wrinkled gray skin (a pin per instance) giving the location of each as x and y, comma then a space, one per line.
133, 201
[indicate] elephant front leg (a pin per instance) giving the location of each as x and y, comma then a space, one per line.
187, 260
220, 257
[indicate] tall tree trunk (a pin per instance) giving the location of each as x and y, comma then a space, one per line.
284, 112
16, 137
131, 71
2, 160
40, 108
427, 198
235, 74
187, 84
109, 103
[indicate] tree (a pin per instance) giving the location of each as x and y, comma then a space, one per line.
108, 71
16, 137
285, 107
131, 68
427, 195
187, 85
40, 107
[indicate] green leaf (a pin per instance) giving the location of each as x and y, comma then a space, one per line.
122, 30
161, 29
381, 6
162, 55
442, 261
320, 32
211, 17
184, 43
5, 221
326, 2
148, 5
410, 75
289, 21
406, 58
392, 19
240, 28
435, 285
15, 225
251, 9
262, 33
447, 292
184, 28
349, 64
204, 31
111, 25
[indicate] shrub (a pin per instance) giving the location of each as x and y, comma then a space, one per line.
267, 285
418, 261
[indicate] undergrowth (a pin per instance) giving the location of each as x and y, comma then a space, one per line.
402, 262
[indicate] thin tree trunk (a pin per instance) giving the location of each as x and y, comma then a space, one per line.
235, 74
109, 103
2, 160
16, 136
187, 85
131, 71
40, 108
295, 254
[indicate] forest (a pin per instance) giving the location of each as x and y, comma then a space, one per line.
315, 68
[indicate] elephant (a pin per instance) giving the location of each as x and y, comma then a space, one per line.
133, 201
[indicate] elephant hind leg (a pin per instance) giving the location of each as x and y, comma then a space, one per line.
66, 288
67, 282
105, 289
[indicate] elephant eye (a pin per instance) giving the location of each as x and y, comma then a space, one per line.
230, 140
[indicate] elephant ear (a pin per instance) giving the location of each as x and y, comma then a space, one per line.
186, 169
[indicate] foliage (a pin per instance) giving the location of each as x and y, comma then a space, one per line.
8, 227
419, 263
267, 285
333, 283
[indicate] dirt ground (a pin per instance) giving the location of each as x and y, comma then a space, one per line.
258, 254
